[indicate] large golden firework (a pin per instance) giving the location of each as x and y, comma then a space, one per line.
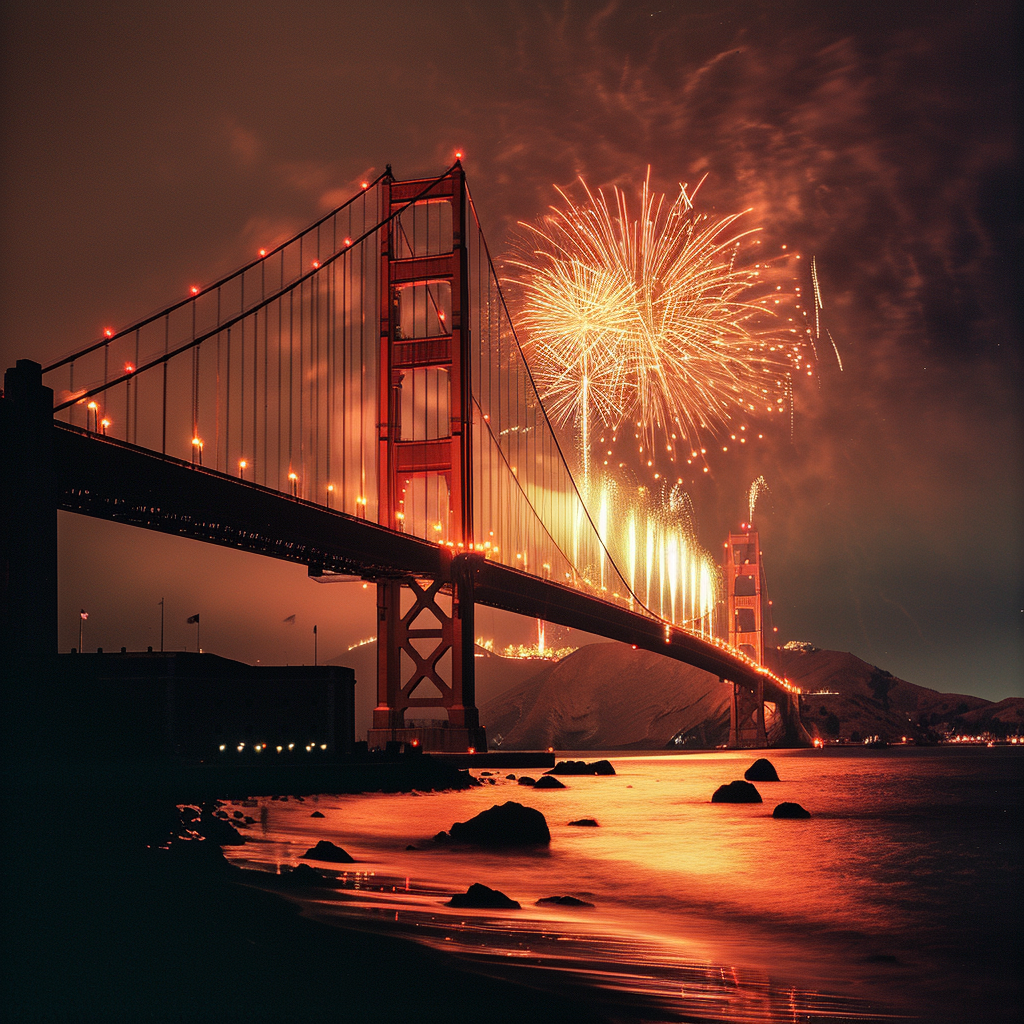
668, 321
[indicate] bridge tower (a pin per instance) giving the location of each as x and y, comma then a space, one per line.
425, 466
746, 633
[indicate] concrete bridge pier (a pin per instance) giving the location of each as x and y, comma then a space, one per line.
746, 716
28, 563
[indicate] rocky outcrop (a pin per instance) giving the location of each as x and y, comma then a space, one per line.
507, 825
790, 810
563, 901
762, 770
481, 897
327, 851
549, 782
737, 792
601, 767
584, 822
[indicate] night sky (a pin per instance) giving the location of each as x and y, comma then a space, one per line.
148, 149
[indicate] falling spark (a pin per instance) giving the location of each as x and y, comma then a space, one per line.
818, 307
759, 485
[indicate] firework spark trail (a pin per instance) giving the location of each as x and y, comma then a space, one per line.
654, 320
818, 307
759, 485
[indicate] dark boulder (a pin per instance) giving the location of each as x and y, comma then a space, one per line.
549, 782
218, 831
563, 901
317, 814
442, 837
762, 770
790, 810
481, 897
737, 792
582, 768
525, 780
303, 874
511, 777
325, 850
509, 824
586, 822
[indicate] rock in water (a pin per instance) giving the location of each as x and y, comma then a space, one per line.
762, 770
509, 824
325, 850
317, 814
582, 768
563, 901
738, 792
790, 810
481, 896
525, 780
587, 822
549, 782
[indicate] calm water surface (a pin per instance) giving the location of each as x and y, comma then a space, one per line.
900, 897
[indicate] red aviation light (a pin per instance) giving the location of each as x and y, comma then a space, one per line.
263, 252
129, 368
364, 184
194, 289
316, 264
108, 332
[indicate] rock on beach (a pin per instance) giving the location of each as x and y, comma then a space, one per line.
482, 897
325, 850
508, 824
602, 767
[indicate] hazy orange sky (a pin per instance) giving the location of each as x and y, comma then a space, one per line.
146, 149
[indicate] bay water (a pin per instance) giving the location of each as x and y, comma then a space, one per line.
900, 898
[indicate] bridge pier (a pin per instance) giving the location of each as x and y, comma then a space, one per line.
746, 716
424, 648
28, 540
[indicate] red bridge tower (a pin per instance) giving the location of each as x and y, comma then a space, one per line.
425, 652
743, 578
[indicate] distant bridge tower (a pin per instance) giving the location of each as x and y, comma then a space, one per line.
746, 633
425, 466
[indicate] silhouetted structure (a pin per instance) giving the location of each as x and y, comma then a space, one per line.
201, 708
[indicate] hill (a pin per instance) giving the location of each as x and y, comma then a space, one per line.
610, 697
868, 701
607, 696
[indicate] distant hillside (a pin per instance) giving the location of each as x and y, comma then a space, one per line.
870, 701
610, 697
607, 696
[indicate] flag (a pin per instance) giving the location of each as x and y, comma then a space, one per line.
193, 620
290, 620
84, 614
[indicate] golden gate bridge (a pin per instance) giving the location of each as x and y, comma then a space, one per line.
354, 399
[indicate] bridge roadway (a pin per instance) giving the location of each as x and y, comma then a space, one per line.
109, 479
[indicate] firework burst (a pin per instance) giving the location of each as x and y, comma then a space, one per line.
659, 320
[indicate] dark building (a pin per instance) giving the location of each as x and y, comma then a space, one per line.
199, 707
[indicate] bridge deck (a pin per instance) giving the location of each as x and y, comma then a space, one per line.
112, 480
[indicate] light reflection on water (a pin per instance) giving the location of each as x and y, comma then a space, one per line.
859, 901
